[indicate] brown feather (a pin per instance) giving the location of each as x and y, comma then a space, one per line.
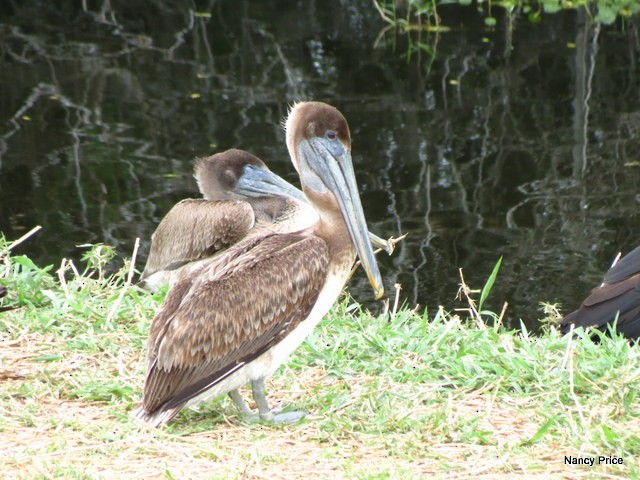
606, 292
626, 267
618, 297
197, 228
227, 315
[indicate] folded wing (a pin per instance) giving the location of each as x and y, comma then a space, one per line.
230, 313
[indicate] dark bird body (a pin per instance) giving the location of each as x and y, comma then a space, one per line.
617, 297
237, 317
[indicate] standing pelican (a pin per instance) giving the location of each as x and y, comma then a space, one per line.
618, 297
239, 316
242, 198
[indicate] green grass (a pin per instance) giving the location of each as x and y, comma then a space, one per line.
401, 395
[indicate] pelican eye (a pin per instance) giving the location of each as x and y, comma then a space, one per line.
229, 176
333, 144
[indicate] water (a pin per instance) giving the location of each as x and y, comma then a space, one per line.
518, 142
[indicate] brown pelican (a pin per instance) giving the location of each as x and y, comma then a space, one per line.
618, 297
239, 316
242, 197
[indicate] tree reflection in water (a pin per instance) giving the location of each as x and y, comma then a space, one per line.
519, 141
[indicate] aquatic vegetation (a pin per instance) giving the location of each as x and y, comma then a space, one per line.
423, 14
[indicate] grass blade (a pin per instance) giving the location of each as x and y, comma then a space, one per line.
489, 285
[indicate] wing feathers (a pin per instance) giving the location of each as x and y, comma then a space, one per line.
619, 301
626, 267
619, 297
229, 313
194, 229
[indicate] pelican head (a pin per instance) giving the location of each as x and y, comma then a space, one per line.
236, 174
319, 144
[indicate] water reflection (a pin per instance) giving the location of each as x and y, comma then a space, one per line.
517, 142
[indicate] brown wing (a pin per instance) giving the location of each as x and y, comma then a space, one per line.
605, 303
229, 313
194, 229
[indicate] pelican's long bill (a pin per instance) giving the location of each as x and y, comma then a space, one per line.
258, 182
331, 161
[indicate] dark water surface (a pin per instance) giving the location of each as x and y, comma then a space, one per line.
522, 141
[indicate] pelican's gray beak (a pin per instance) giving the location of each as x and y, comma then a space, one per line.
331, 163
259, 182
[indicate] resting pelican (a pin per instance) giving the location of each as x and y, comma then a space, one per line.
242, 198
617, 297
238, 317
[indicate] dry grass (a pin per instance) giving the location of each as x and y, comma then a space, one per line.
64, 439
46, 435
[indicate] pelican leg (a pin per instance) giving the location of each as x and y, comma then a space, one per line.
239, 401
266, 414
261, 400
